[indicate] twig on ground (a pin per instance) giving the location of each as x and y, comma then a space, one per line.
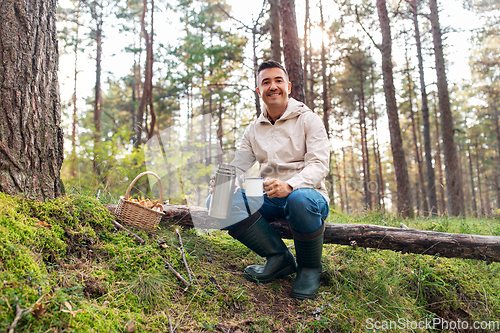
170, 324
119, 226
184, 255
183, 280
20, 313
367, 303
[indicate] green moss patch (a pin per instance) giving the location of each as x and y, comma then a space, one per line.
89, 277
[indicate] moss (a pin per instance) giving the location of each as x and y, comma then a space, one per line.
111, 282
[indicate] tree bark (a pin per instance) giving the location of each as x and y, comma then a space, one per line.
96, 10
150, 70
418, 159
326, 102
347, 208
364, 140
31, 139
312, 95
376, 151
291, 49
439, 165
378, 237
473, 191
258, 109
74, 97
139, 123
497, 130
403, 183
431, 178
339, 176
307, 23
274, 19
481, 210
487, 202
450, 151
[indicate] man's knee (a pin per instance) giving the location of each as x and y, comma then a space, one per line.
300, 200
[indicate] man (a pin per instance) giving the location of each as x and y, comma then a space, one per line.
290, 143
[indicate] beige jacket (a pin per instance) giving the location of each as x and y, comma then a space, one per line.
295, 149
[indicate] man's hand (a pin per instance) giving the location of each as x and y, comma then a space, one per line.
276, 188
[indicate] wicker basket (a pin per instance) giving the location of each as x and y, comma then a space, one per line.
133, 213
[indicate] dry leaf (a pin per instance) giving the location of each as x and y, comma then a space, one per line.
130, 326
38, 310
44, 224
163, 245
70, 309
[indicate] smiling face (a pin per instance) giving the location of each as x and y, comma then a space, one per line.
274, 88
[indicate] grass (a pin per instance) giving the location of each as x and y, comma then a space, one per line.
93, 278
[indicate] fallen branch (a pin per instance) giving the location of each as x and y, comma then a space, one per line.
119, 226
20, 313
184, 255
406, 240
170, 325
175, 272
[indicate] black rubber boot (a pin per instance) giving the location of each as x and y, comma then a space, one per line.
308, 249
256, 234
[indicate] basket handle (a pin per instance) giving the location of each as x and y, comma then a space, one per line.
137, 178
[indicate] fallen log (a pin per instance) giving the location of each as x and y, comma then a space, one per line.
405, 240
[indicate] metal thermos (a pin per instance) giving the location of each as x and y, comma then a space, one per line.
222, 196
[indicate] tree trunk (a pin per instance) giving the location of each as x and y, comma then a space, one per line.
291, 49
326, 106
74, 99
255, 68
473, 191
439, 165
418, 159
376, 152
403, 183
447, 124
465, 184
431, 178
339, 183
487, 202
481, 210
307, 23
220, 133
139, 123
31, 139
460, 181
406, 240
364, 140
496, 171
312, 96
150, 69
347, 209
326, 102
97, 16
274, 19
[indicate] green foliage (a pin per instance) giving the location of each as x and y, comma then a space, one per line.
94, 278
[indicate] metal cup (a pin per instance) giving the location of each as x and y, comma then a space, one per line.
222, 196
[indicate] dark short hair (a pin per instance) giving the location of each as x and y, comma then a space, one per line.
271, 64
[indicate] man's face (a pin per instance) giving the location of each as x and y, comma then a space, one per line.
273, 87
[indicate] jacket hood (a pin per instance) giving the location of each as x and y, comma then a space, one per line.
293, 109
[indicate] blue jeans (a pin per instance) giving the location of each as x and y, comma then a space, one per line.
304, 209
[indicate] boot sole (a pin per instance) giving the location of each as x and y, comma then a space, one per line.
303, 296
284, 272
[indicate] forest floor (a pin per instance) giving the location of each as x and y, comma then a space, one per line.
72, 271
